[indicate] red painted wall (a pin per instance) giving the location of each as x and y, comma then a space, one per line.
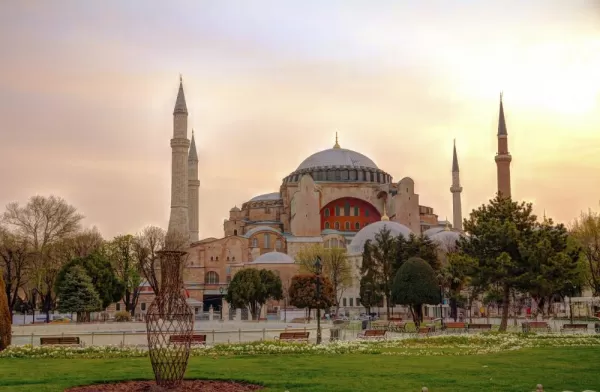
366, 214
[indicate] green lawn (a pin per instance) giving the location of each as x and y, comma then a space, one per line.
559, 369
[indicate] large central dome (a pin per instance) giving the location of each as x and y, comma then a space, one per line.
337, 157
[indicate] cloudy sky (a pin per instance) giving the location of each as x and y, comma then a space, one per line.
87, 90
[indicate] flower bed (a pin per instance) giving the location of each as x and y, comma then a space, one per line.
477, 344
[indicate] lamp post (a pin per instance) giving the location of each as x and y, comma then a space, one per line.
318, 267
441, 306
570, 303
221, 290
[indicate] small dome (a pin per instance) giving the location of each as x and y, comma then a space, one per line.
432, 231
235, 209
267, 196
337, 157
446, 239
370, 231
273, 258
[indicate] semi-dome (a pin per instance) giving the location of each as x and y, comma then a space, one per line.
432, 231
446, 239
273, 258
370, 231
333, 157
267, 196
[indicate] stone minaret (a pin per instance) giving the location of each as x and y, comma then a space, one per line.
503, 157
178, 221
456, 189
193, 185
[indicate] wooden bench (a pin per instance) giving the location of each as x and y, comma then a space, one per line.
60, 341
372, 334
380, 325
536, 325
427, 329
574, 327
479, 327
294, 336
455, 326
196, 339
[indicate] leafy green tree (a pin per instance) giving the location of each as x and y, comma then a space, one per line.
416, 246
5, 317
252, 288
553, 263
121, 252
303, 292
76, 293
497, 234
379, 259
586, 231
370, 293
102, 276
416, 284
455, 275
336, 267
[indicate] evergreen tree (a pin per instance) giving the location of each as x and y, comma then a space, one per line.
379, 258
416, 246
5, 316
76, 294
416, 284
498, 233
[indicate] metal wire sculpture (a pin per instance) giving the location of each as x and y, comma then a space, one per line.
170, 323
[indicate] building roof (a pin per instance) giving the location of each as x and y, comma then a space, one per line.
193, 154
180, 105
273, 258
267, 196
337, 157
454, 160
368, 233
446, 239
432, 231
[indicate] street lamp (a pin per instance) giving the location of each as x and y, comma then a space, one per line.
441, 306
318, 267
221, 290
570, 303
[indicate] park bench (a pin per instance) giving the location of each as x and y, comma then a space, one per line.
426, 329
341, 323
195, 339
479, 327
294, 336
60, 341
372, 334
536, 325
455, 326
574, 327
380, 325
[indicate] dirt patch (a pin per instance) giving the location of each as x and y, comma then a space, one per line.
187, 385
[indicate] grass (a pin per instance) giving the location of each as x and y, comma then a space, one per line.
559, 369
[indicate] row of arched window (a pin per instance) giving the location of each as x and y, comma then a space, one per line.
348, 211
211, 277
216, 258
266, 242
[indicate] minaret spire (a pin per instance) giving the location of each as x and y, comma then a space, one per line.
336, 145
456, 190
503, 157
193, 187
178, 220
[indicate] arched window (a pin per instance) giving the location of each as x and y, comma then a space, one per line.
278, 244
326, 212
211, 258
347, 225
337, 210
356, 211
337, 225
235, 232
357, 225
346, 209
211, 277
255, 242
267, 241
334, 243
217, 258
327, 225
227, 258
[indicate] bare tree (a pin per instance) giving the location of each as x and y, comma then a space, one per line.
336, 267
146, 246
86, 242
123, 256
586, 230
44, 222
15, 261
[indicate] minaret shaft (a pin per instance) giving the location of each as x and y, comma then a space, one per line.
193, 190
178, 220
503, 157
456, 190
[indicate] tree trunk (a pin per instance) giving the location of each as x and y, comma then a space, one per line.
453, 308
387, 305
505, 307
414, 315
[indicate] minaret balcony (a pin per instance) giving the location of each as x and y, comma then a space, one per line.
503, 157
456, 189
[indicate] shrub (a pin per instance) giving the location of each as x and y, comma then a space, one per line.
5, 316
122, 316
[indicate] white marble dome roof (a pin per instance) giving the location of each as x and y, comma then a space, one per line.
368, 233
267, 196
337, 157
432, 231
445, 238
273, 258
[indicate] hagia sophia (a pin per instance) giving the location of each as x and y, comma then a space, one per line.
336, 198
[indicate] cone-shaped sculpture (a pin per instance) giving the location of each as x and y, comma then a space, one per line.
170, 323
